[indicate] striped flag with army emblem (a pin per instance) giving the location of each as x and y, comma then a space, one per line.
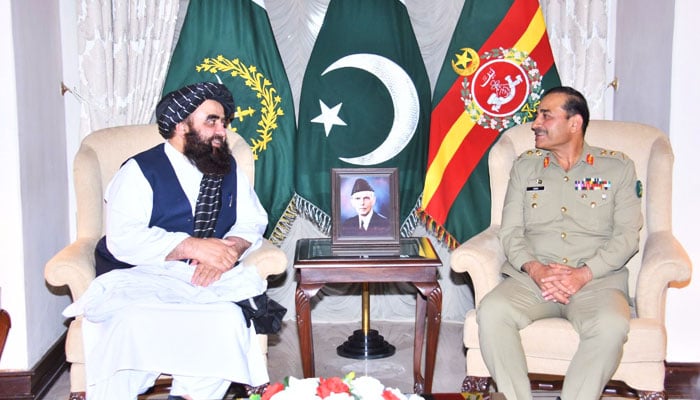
232, 42
365, 103
497, 65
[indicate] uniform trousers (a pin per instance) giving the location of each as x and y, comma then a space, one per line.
599, 316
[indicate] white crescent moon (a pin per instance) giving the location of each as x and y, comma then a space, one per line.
404, 98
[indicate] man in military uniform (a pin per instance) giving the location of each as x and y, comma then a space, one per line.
571, 221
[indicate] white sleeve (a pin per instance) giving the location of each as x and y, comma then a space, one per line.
251, 217
129, 200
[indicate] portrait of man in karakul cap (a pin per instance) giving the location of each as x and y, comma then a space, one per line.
367, 222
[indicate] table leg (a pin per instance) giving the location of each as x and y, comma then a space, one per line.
419, 334
306, 341
432, 293
434, 320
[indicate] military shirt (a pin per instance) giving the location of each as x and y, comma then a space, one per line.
588, 215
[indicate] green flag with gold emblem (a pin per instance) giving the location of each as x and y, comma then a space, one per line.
365, 103
232, 42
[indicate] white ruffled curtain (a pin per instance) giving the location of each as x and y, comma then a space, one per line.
125, 49
578, 33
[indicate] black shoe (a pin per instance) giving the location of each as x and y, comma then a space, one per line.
171, 397
251, 390
237, 391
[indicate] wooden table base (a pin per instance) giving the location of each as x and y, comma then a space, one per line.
419, 268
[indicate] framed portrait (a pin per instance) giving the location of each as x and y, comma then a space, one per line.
365, 210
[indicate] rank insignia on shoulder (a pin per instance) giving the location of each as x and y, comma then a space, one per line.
532, 153
640, 189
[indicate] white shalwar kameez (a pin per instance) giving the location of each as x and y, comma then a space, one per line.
149, 319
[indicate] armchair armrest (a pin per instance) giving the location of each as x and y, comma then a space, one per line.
73, 266
481, 257
268, 259
664, 261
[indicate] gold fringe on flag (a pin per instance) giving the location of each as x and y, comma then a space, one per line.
411, 222
438, 230
284, 225
310, 211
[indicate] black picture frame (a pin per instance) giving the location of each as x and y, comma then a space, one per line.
381, 236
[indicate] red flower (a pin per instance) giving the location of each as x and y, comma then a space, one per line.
331, 385
388, 395
272, 390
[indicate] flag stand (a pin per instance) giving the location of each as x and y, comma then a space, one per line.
366, 343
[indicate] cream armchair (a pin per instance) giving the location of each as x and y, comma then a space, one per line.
550, 343
99, 157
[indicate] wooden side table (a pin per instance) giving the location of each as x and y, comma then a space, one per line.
417, 263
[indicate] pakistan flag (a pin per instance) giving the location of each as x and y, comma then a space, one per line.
232, 42
365, 103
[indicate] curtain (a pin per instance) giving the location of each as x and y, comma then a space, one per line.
578, 33
124, 48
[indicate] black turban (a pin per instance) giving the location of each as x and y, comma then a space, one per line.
177, 105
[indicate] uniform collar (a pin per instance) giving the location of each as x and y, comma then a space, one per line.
586, 155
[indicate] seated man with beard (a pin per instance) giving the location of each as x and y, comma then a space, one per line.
180, 217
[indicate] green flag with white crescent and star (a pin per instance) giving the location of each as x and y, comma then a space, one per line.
232, 42
365, 103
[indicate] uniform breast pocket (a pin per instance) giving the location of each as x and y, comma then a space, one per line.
540, 207
593, 209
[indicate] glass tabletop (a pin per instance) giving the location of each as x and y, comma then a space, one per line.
322, 249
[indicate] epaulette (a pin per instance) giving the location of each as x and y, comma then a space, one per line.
612, 154
532, 153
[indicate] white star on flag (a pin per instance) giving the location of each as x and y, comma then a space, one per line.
329, 117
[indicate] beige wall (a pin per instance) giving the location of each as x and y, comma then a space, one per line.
642, 61
35, 187
682, 311
11, 275
656, 73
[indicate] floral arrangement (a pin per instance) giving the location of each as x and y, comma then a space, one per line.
334, 388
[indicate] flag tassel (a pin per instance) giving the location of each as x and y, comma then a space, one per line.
432, 226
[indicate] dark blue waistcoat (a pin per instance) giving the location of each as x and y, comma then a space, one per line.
171, 209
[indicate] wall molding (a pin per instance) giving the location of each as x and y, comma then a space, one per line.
680, 383
682, 380
36, 382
